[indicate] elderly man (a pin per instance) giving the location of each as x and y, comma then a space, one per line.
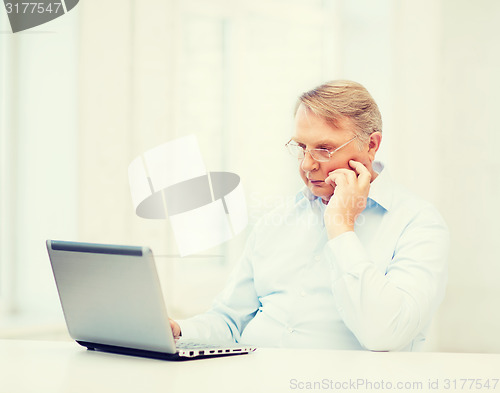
353, 262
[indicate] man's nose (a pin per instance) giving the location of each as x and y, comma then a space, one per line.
308, 163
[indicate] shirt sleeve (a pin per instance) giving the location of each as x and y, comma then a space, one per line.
386, 310
232, 309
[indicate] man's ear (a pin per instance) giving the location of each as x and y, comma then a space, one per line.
374, 144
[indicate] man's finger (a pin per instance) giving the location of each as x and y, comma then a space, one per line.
364, 175
175, 328
337, 178
349, 174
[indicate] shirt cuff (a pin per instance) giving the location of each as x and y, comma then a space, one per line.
345, 252
188, 329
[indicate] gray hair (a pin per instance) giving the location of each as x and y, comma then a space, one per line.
344, 98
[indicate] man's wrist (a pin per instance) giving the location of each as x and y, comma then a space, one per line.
337, 230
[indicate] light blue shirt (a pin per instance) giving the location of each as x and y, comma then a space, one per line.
376, 288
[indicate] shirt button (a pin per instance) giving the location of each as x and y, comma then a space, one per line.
291, 330
303, 293
317, 258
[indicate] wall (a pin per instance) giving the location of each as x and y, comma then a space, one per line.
39, 180
84, 95
433, 66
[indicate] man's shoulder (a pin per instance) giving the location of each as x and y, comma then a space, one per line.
410, 203
401, 200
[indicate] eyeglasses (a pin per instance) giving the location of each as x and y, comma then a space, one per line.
320, 155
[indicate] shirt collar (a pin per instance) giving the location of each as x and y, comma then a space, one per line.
380, 189
306, 193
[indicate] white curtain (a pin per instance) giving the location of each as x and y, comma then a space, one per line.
228, 72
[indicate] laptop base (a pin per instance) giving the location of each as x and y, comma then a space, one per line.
148, 354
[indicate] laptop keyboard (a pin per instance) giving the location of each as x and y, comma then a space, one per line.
195, 345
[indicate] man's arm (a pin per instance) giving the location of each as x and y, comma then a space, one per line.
386, 310
232, 309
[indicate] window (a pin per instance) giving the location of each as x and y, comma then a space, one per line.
39, 162
89, 94
241, 66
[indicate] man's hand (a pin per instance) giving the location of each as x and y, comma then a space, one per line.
176, 329
348, 199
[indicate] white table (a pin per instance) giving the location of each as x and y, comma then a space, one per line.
41, 366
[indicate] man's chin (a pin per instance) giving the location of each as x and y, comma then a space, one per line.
325, 195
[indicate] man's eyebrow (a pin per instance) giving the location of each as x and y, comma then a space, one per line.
319, 143
326, 143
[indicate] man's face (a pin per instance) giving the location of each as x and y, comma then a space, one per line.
313, 132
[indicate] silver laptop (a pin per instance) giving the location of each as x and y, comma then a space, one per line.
112, 301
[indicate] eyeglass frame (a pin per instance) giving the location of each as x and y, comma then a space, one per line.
330, 153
